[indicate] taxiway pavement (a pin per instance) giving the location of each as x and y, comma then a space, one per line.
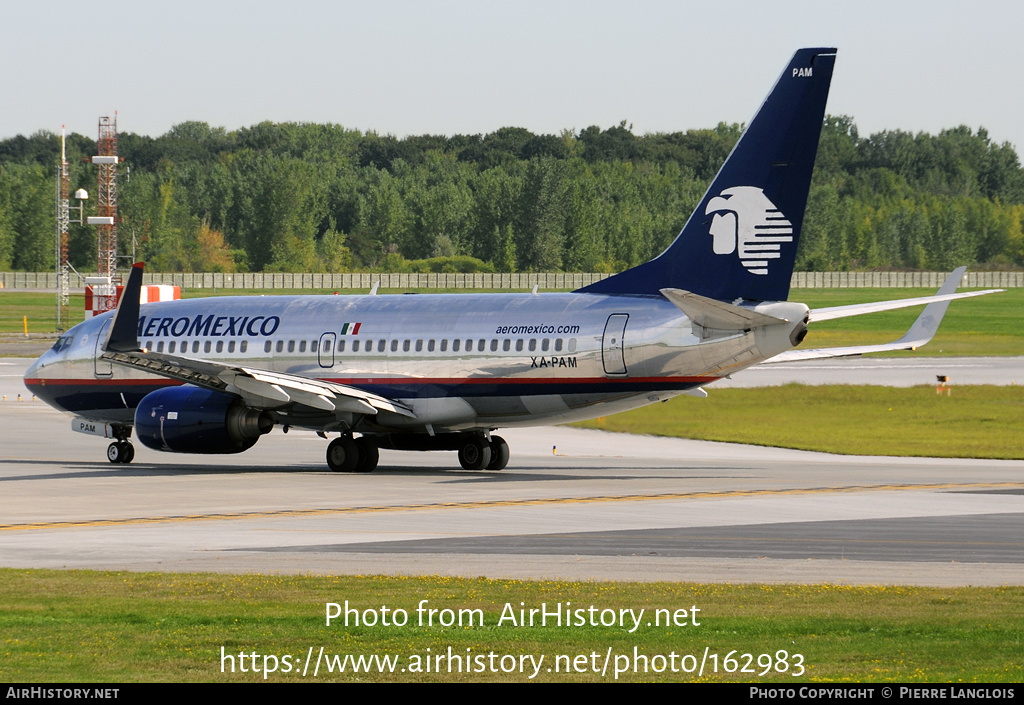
883, 371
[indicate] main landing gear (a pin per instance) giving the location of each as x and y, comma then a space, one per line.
347, 454
477, 453
475, 450
121, 450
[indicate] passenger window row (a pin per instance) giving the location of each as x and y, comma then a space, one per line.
207, 346
368, 345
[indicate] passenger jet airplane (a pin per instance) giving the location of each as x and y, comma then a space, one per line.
442, 372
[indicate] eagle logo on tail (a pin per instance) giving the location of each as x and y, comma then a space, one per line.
747, 222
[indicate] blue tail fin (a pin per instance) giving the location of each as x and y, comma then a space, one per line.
741, 241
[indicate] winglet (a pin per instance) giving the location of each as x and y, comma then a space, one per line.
927, 324
123, 335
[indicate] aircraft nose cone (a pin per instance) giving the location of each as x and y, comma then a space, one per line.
33, 371
35, 378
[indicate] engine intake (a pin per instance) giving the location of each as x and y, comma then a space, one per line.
189, 419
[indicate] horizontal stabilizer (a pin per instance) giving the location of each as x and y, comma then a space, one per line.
828, 314
717, 315
921, 332
946, 293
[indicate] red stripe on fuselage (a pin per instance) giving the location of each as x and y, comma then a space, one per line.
355, 381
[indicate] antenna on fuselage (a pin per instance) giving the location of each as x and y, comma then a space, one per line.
376, 285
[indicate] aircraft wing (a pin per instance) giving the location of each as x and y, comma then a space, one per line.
921, 332
261, 389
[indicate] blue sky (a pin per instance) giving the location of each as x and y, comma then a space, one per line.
473, 67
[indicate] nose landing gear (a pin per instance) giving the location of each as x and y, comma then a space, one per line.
121, 452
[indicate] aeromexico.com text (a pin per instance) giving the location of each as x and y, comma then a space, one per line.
537, 330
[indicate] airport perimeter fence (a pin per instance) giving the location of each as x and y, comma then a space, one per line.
521, 281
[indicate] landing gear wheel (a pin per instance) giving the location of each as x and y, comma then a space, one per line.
475, 454
120, 452
342, 455
499, 453
369, 455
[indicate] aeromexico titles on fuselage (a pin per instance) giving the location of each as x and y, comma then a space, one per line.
218, 325
211, 325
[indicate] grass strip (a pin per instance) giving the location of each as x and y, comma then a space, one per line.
143, 627
972, 422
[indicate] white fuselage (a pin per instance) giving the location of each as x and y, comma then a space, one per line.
459, 361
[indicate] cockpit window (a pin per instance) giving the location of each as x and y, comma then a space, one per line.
63, 343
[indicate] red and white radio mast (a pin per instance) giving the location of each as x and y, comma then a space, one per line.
106, 212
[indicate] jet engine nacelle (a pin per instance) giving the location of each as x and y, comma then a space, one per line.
192, 420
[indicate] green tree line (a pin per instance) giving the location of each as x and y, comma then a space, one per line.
310, 197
